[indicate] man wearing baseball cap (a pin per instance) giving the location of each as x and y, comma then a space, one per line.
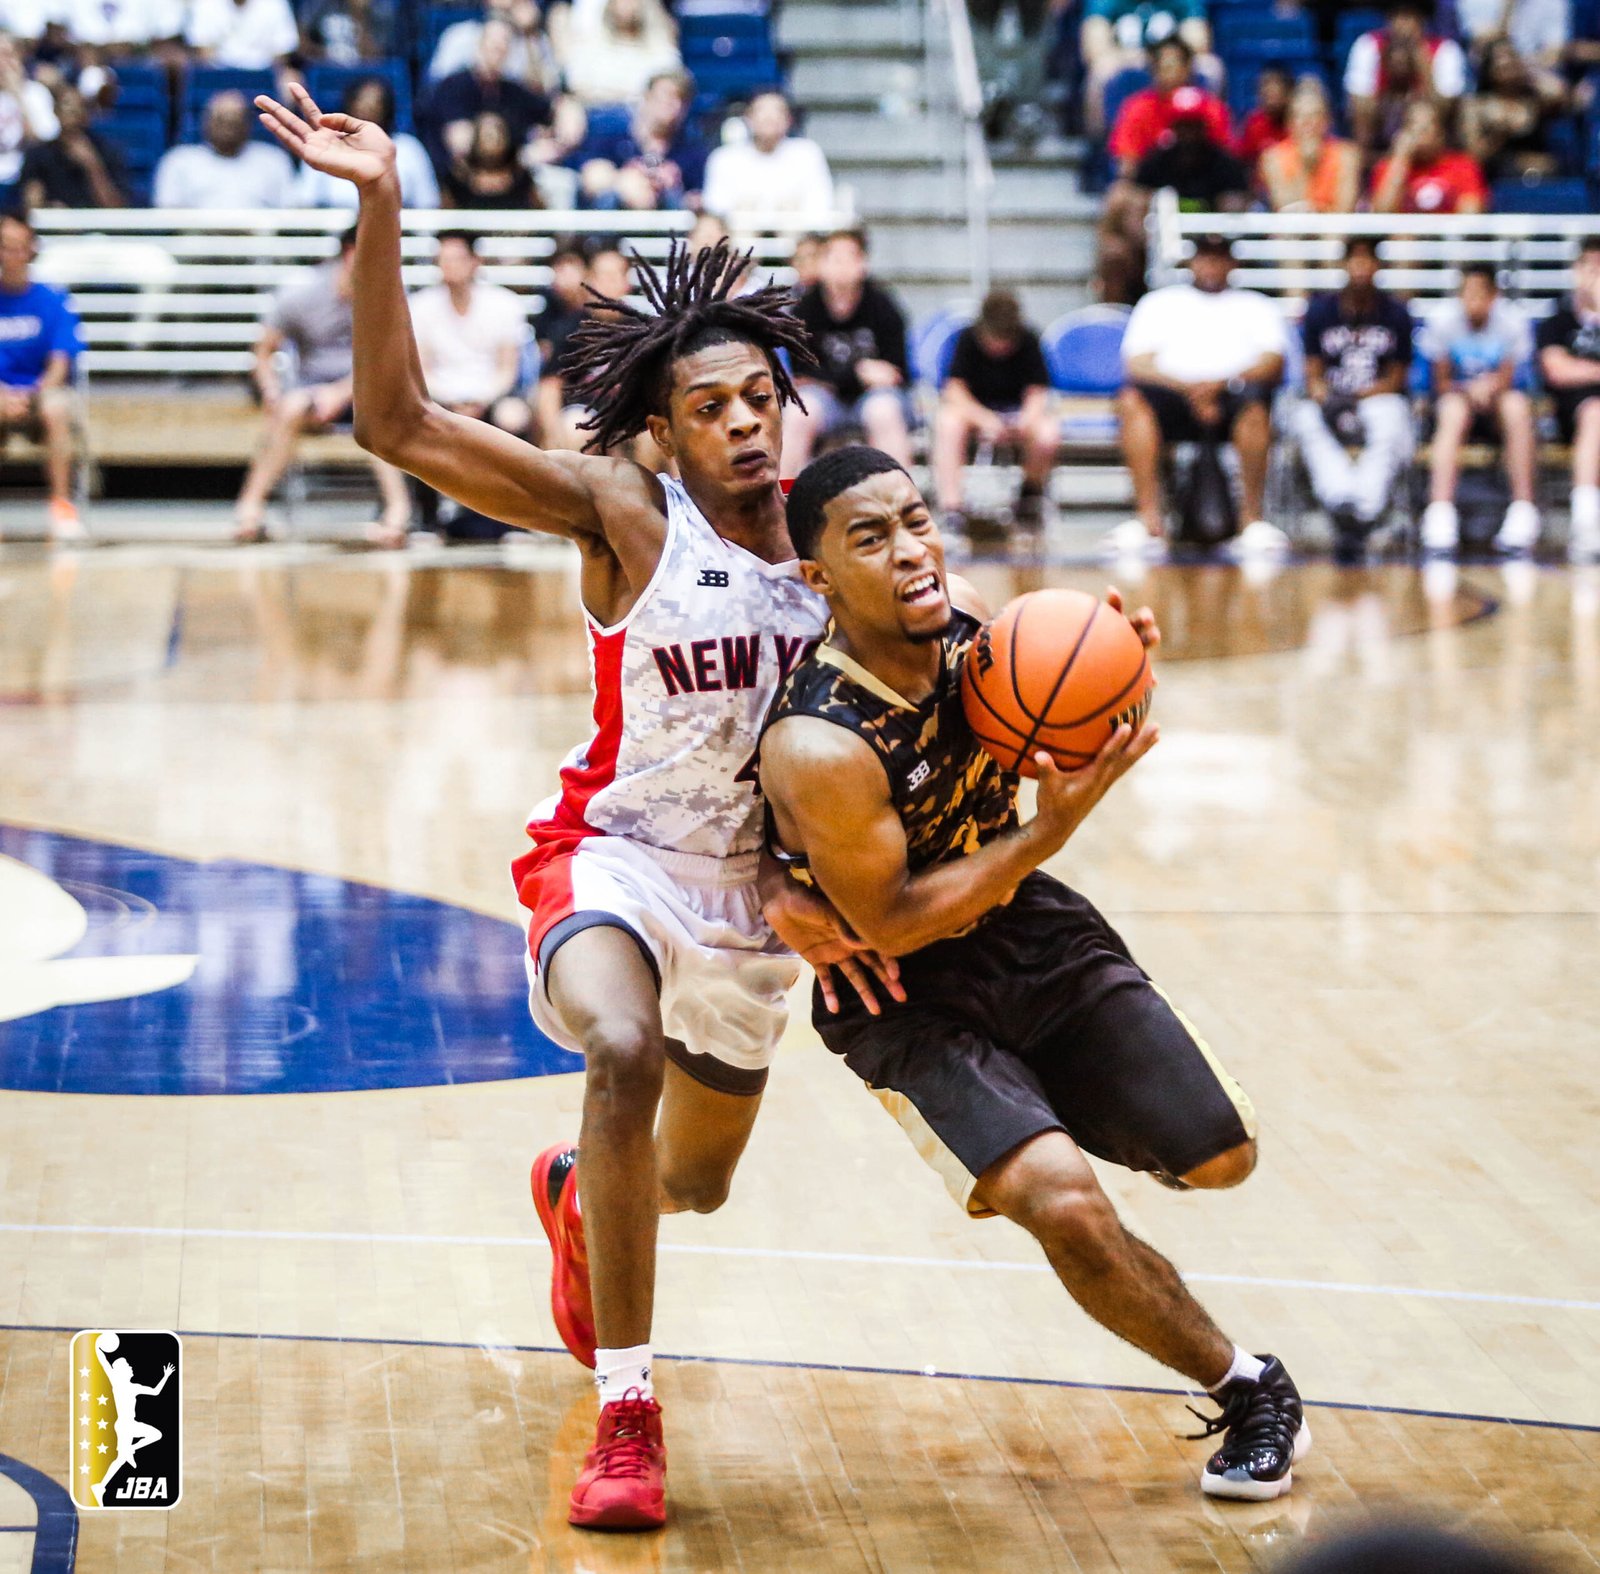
1200, 363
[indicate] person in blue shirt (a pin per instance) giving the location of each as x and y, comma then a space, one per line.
39, 340
657, 161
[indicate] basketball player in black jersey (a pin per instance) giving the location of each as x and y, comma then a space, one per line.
1028, 1035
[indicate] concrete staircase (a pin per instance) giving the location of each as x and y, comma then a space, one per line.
858, 71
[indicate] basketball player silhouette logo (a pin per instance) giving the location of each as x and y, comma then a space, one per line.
126, 1419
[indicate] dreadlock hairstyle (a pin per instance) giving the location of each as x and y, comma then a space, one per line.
621, 358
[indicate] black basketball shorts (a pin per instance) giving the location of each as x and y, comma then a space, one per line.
1039, 1020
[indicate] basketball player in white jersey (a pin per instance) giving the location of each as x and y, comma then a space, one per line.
649, 951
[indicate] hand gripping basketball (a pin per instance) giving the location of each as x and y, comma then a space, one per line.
1066, 797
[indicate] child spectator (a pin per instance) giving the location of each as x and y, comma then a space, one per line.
771, 174
1569, 360
997, 391
80, 169
248, 35
1423, 174
227, 170
1479, 346
372, 98
1148, 115
1311, 170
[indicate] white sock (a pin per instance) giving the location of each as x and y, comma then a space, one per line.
1244, 1365
616, 1371
1586, 507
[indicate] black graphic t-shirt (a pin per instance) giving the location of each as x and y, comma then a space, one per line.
950, 794
874, 331
999, 382
1566, 330
1357, 351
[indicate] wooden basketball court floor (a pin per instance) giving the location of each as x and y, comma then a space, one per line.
1365, 859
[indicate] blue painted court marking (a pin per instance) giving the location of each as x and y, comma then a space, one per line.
55, 1537
301, 983
927, 1373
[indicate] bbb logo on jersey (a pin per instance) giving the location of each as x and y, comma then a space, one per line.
714, 578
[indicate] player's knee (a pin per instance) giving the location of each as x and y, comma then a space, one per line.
626, 1065
1076, 1224
1230, 1168
698, 1192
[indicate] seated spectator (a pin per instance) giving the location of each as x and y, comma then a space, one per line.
1268, 122
80, 169
348, 32
707, 232
107, 30
1569, 361
1423, 174
1201, 362
659, 161
489, 174
564, 311
470, 337
1503, 124
609, 58
1403, 58
1118, 35
451, 109
38, 342
1187, 160
372, 98
248, 35
1539, 30
227, 170
1479, 346
804, 260
997, 391
529, 60
771, 174
311, 315
27, 114
1311, 170
1358, 363
861, 377
1147, 116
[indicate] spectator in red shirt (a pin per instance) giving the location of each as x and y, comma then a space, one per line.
1146, 117
1424, 174
1268, 122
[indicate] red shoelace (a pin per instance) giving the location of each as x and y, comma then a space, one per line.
630, 1449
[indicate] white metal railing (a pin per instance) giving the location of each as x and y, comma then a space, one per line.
952, 64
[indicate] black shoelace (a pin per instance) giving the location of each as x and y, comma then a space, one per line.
1256, 1418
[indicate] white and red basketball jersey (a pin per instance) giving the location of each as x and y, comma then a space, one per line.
681, 687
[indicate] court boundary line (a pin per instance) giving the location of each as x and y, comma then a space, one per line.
925, 1373
872, 1259
55, 1534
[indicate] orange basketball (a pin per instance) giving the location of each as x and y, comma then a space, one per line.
1054, 670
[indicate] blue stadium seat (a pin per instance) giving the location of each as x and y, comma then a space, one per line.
141, 87
202, 83
933, 344
329, 84
430, 27
1559, 194
1121, 88
721, 80
141, 136
1239, 31
1083, 350
722, 33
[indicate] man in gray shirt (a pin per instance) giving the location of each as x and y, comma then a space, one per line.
227, 170
311, 317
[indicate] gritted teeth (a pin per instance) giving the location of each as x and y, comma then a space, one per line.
919, 587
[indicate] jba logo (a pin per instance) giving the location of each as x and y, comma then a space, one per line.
127, 1440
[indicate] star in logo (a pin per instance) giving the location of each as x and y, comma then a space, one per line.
104, 1399
83, 1470
83, 1371
102, 1423
84, 1396
104, 1449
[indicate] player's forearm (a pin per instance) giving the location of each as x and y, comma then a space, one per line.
390, 395
951, 897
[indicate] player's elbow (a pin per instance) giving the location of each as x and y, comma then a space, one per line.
387, 433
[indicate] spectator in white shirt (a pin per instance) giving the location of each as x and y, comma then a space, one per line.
249, 35
530, 59
1541, 29
119, 27
1404, 47
773, 173
372, 99
1200, 363
27, 112
227, 170
609, 61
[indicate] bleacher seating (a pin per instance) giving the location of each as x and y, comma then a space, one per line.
1083, 350
172, 301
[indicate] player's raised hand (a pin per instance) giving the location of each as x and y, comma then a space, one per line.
1143, 621
337, 144
1066, 797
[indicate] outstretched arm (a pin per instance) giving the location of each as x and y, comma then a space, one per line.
166, 1372
488, 470
831, 800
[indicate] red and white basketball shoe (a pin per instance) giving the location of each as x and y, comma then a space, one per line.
555, 1195
623, 1483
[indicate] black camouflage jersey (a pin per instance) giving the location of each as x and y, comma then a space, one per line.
951, 796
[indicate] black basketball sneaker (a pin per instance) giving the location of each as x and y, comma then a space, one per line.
1265, 1432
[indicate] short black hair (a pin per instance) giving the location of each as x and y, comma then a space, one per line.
1366, 243
1173, 41
347, 241
569, 251
466, 237
621, 358
823, 480
1589, 243
1487, 271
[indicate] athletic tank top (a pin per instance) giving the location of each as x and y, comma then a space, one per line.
951, 796
681, 686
